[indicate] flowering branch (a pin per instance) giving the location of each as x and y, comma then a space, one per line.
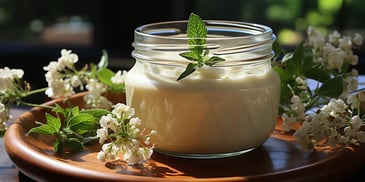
73, 127
328, 110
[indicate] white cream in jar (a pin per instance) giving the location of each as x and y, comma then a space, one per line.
215, 112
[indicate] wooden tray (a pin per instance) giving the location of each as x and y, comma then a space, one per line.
278, 159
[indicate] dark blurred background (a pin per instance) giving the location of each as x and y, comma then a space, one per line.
32, 32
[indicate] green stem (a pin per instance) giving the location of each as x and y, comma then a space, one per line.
36, 91
36, 105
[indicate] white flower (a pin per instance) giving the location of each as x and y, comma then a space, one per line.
135, 121
345, 43
333, 38
360, 135
301, 83
109, 151
357, 40
4, 116
137, 156
53, 66
75, 81
303, 134
335, 107
288, 122
354, 60
102, 133
94, 98
58, 88
8, 77
67, 59
315, 38
298, 106
353, 101
95, 87
122, 111
109, 122
118, 78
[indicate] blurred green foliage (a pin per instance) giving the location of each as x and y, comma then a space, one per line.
290, 18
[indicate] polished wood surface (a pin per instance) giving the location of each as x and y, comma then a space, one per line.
278, 159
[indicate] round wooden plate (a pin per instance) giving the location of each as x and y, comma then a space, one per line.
278, 159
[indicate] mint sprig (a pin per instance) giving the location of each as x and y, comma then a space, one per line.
77, 129
197, 34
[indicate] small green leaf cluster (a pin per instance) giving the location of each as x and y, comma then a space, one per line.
104, 74
291, 65
199, 54
72, 127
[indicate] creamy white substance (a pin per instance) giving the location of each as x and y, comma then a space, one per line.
203, 114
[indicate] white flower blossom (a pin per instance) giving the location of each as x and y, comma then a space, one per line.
334, 36
58, 88
137, 156
123, 111
127, 140
357, 40
4, 116
67, 59
288, 122
8, 77
301, 83
335, 107
118, 78
94, 98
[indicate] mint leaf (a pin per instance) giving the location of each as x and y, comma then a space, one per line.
197, 34
196, 30
43, 129
190, 56
97, 113
213, 60
52, 127
58, 146
189, 70
74, 144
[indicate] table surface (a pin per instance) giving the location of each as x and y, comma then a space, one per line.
9, 173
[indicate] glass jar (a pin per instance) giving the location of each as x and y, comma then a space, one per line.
219, 111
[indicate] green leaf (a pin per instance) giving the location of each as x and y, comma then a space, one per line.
59, 110
81, 123
294, 65
331, 88
196, 30
190, 56
284, 75
317, 74
105, 75
53, 122
43, 129
298, 54
58, 146
197, 34
285, 79
307, 58
214, 60
74, 144
189, 69
97, 113
103, 63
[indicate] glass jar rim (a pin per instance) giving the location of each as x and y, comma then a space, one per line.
239, 29
234, 41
